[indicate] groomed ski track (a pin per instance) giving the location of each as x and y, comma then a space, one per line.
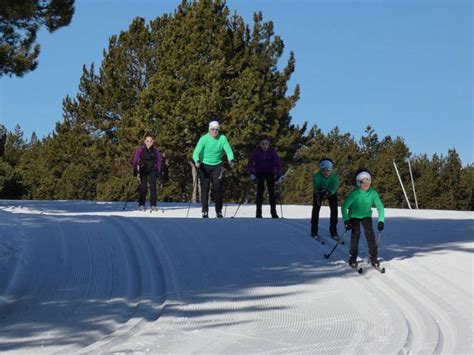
87, 277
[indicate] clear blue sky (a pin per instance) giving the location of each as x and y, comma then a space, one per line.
403, 67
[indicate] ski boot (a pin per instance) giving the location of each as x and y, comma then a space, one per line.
141, 208
219, 214
274, 214
353, 261
259, 213
374, 261
205, 214
153, 209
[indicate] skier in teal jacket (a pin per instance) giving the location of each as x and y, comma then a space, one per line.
325, 185
357, 210
207, 157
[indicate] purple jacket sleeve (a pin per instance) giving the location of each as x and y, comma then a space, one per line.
158, 161
277, 163
251, 164
136, 158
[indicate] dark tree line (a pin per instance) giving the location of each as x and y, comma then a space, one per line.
62, 166
171, 77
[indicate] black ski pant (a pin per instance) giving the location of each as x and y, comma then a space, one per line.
317, 201
206, 174
269, 178
369, 234
145, 180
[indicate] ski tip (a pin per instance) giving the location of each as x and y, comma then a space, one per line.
383, 270
360, 270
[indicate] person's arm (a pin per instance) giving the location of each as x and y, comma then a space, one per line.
198, 150
316, 183
158, 161
251, 163
345, 207
334, 184
136, 159
380, 209
277, 164
228, 149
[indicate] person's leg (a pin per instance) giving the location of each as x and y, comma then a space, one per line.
270, 179
333, 219
216, 174
355, 235
205, 178
370, 235
143, 189
152, 183
315, 214
260, 189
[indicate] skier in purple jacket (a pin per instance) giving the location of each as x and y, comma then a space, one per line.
264, 165
147, 163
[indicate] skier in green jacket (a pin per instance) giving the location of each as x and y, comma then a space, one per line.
325, 184
207, 157
357, 210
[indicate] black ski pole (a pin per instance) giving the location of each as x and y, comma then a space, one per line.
338, 242
280, 190
237, 210
240, 203
191, 199
279, 197
125, 205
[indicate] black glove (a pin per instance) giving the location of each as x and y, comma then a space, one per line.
348, 225
323, 194
326, 194
135, 172
231, 163
380, 226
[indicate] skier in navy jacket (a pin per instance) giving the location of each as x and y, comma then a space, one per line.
147, 164
264, 166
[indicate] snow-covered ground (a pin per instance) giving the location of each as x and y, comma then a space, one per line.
91, 277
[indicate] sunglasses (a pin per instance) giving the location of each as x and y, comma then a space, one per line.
215, 129
364, 182
265, 143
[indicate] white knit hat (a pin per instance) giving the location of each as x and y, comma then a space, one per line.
213, 124
363, 175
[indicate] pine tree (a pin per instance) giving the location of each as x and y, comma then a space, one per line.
3, 139
172, 77
19, 23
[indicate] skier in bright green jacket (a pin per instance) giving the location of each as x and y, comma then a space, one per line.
325, 185
357, 210
207, 157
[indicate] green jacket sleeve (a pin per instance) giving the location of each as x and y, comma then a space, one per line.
345, 207
198, 149
334, 184
228, 150
316, 183
380, 209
